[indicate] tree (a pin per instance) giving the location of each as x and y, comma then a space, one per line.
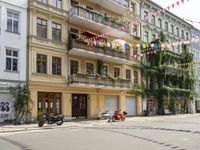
21, 96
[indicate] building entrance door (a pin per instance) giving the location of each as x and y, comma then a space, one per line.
49, 103
79, 105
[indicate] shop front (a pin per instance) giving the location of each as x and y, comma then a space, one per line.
49, 103
6, 109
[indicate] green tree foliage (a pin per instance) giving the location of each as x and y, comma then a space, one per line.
21, 97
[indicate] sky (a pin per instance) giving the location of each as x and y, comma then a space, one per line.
189, 10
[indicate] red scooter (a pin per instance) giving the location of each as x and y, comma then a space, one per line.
119, 116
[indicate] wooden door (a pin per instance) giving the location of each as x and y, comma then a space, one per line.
79, 105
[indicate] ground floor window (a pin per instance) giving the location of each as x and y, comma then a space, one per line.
49, 103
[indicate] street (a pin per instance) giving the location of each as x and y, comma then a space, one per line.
158, 134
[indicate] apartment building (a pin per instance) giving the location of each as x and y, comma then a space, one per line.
69, 74
13, 47
195, 46
175, 30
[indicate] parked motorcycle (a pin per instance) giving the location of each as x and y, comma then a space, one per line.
119, 116
103, 115
50, 119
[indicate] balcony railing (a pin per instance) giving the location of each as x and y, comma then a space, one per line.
122, 2
90, 15
98, 81
76, 44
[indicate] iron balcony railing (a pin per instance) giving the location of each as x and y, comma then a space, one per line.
122, 2
98, 81
98, 18
99, 50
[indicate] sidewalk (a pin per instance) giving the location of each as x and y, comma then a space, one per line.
30, 127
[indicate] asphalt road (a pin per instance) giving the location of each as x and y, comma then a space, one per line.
170, 134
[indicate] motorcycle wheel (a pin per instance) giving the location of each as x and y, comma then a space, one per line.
123, 119
60, 121
41, 123
109, 120
113, 119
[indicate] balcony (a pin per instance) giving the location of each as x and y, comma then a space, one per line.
80, 48
97, 81
91, 20
116, 6
169, 70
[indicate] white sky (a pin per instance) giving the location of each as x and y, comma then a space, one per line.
189, 10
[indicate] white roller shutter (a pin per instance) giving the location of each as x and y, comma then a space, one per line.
111, 104
131, 105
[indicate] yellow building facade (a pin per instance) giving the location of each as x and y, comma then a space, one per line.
66, 75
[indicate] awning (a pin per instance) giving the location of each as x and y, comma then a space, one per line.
89, 34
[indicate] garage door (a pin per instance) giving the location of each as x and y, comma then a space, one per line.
131, 105
111, 104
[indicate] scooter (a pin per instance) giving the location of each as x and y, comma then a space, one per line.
119, 116
50, 119
103, 115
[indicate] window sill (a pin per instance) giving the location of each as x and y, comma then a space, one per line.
11, 71
13, 32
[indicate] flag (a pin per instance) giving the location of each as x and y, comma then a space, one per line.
177, 3
182, 1
168, 7
173, 5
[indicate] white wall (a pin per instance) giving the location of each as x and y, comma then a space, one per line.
13, 40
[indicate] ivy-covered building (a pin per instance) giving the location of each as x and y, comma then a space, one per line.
167, 84
167, 79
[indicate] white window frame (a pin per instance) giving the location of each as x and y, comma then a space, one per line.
13, 19
12, 57
55, 3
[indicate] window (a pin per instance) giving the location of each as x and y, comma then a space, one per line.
135, 77
73, 67
172, 28
153, 36
166, 25
57, 3
153, 20
89, 14
116, 72
56, 66
146, 36
44, 1
133, 7
182, 34
135, 30
89, 68
11, 60
177, 31
105, 70
74, 33
146, 16
187, 36
41, 63
41, 28
74, 3
178, 49
128, 74
160, 23
56, 31
12, 22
